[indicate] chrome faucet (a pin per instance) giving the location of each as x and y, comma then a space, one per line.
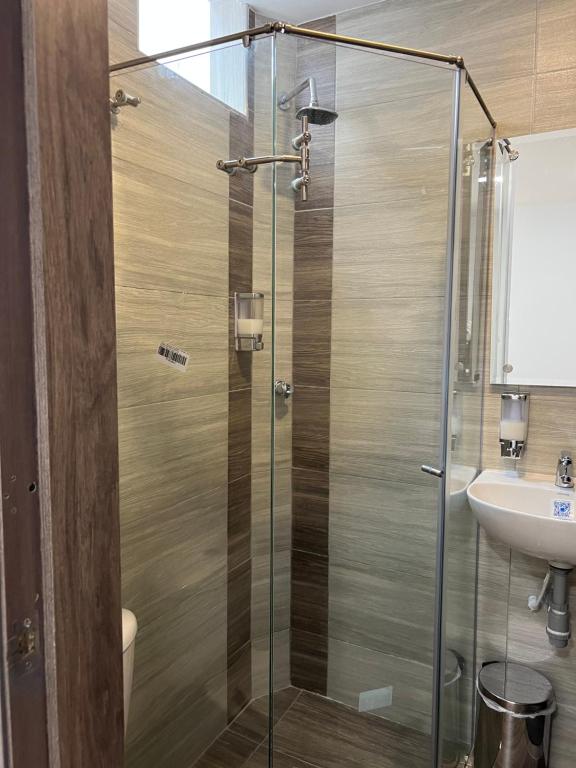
564, 477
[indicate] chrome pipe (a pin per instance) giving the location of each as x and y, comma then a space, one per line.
251, 163
310, 83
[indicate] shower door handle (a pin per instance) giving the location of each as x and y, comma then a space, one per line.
432, 470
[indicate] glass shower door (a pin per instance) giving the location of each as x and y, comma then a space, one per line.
194, 411
361, 300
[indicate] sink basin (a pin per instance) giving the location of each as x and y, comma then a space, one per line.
529, 514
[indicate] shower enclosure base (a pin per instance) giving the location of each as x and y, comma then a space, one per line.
312, 731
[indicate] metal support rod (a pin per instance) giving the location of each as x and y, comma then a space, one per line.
251, 163
284, 28
265, 29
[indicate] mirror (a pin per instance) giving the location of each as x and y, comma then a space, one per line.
534, 278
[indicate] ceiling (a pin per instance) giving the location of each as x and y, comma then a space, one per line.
297, 11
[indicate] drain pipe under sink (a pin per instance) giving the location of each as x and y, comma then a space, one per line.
558, 626
555, 593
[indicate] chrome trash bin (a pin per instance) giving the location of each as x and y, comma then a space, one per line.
515, 708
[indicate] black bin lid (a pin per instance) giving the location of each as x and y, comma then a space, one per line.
516, 688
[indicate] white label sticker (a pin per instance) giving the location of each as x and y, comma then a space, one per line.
174, 357
563, 509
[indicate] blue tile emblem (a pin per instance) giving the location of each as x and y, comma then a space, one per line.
563, 509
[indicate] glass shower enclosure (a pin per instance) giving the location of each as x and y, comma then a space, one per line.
301, 239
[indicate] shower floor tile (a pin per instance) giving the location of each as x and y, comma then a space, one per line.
312, 731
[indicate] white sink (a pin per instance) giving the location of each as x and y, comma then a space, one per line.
529, 514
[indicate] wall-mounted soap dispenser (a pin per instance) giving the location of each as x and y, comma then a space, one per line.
248, 321
513, 424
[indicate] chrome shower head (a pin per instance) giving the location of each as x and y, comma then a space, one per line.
317, 115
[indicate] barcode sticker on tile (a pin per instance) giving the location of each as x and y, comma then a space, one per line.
174, 357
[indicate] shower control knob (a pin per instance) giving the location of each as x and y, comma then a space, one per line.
283, 388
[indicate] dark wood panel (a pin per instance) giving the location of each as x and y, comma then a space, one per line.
20, 561
78, 334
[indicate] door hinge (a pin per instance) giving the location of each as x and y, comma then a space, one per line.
23, 647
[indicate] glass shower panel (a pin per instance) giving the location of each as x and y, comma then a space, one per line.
474, 180
194, 413
369, 275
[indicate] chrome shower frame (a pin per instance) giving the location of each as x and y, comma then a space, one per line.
462, 77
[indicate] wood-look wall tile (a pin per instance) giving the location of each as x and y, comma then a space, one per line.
146, 137
195, 324
241, 145
555, 107
492, 609
239, 680
261, 663
384, 152
311, 420
240, 247
312, 343
171, 451
309, 592
381, 521
368, 77
390, 344
310, 511
394, 250
313, 239
239, 596
159, 549
261, 577
353, 669
239, 433
496, 40
379, 608
511, 102
308, 660
185, 642
262, 511
122, 31
158, 221
372, 434
239, 521
556, 35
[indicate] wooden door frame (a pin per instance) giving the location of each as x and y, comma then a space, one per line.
60, 553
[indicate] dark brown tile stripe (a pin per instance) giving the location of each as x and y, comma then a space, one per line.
240, 253
313, 252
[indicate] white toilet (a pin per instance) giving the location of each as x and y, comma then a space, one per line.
129, 629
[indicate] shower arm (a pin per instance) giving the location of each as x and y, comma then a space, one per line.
309, 83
